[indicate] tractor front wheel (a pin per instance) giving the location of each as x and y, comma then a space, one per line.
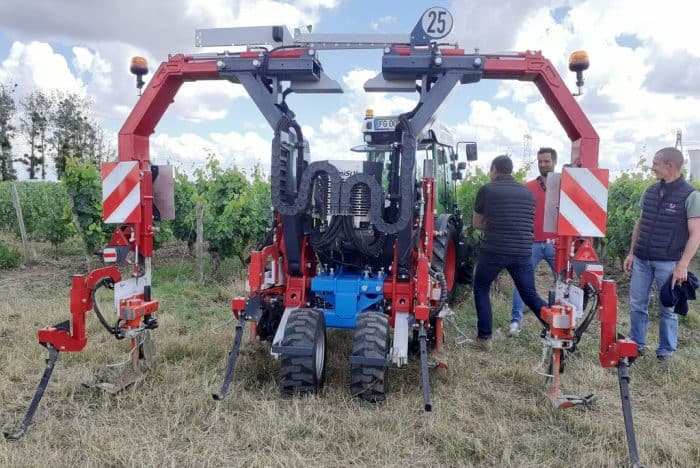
306, 329
445, 258
368, 380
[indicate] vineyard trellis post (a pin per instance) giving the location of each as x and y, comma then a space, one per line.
199, 242
20, 222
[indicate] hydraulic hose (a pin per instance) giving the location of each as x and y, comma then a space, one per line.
372, 248
581, 329
104, 282
443, 291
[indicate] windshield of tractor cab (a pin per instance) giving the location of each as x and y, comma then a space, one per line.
375, 153
426, 149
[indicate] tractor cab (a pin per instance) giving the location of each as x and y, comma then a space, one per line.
435, 152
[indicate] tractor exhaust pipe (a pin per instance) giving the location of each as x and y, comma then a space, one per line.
50, 362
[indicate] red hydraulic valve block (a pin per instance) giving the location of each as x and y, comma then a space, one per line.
561, 321
133, 309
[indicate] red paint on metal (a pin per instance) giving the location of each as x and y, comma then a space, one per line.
133, 143
532, 66
450, 52
612, 348
80, 305
115, 199
290, 53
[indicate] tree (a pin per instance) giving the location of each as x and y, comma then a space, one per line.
84, 186
56, 226
236, 211
184, 222
34, 122
624, 195
75, 134
7, 131
67, 122
96, 148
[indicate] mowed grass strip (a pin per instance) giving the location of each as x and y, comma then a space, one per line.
488, 408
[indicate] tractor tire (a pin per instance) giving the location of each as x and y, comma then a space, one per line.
371, 340
305, 328
465, 262
445, 258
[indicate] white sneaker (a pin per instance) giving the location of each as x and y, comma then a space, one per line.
514, 329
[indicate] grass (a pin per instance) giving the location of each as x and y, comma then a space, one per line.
488, 409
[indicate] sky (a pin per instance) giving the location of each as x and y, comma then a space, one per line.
643, 84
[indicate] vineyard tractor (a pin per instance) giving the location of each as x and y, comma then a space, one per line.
370, 243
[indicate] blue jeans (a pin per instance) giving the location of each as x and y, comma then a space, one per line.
488, 267
540, 251
644, 274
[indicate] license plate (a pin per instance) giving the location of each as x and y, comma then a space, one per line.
385, 124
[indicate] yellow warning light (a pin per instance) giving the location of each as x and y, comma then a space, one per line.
369, 113
139, 66
578, 61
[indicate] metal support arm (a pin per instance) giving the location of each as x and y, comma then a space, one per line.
532, 66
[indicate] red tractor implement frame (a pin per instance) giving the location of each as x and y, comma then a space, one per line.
287, 266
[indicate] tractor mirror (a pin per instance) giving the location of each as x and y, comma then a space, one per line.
469, 149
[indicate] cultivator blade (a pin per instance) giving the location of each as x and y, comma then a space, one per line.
113, 379
554, 358
624, 379
424, 368
50, 363
568, 401
232, 358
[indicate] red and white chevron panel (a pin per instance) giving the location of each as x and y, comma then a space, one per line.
583, 202
121, 192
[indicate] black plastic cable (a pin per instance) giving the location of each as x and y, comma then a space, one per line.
581, 329
443, 291
104, 282
372, 249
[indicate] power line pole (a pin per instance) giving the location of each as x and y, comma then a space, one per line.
527, 148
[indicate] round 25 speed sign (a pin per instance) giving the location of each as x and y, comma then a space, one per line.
436, 22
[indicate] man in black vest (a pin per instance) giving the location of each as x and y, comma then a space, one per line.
505, 210
542, 246
664, 240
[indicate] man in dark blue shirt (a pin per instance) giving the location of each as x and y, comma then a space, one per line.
505, 210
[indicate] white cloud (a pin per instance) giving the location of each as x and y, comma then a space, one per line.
201, 101
490, 26
382, 20
496, 130
618, 100
37, 66
86, 61
83, 59
516, 91
635, 94
341, 130
189, 151
104, 36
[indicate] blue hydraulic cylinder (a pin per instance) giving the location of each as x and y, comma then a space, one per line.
348, 294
